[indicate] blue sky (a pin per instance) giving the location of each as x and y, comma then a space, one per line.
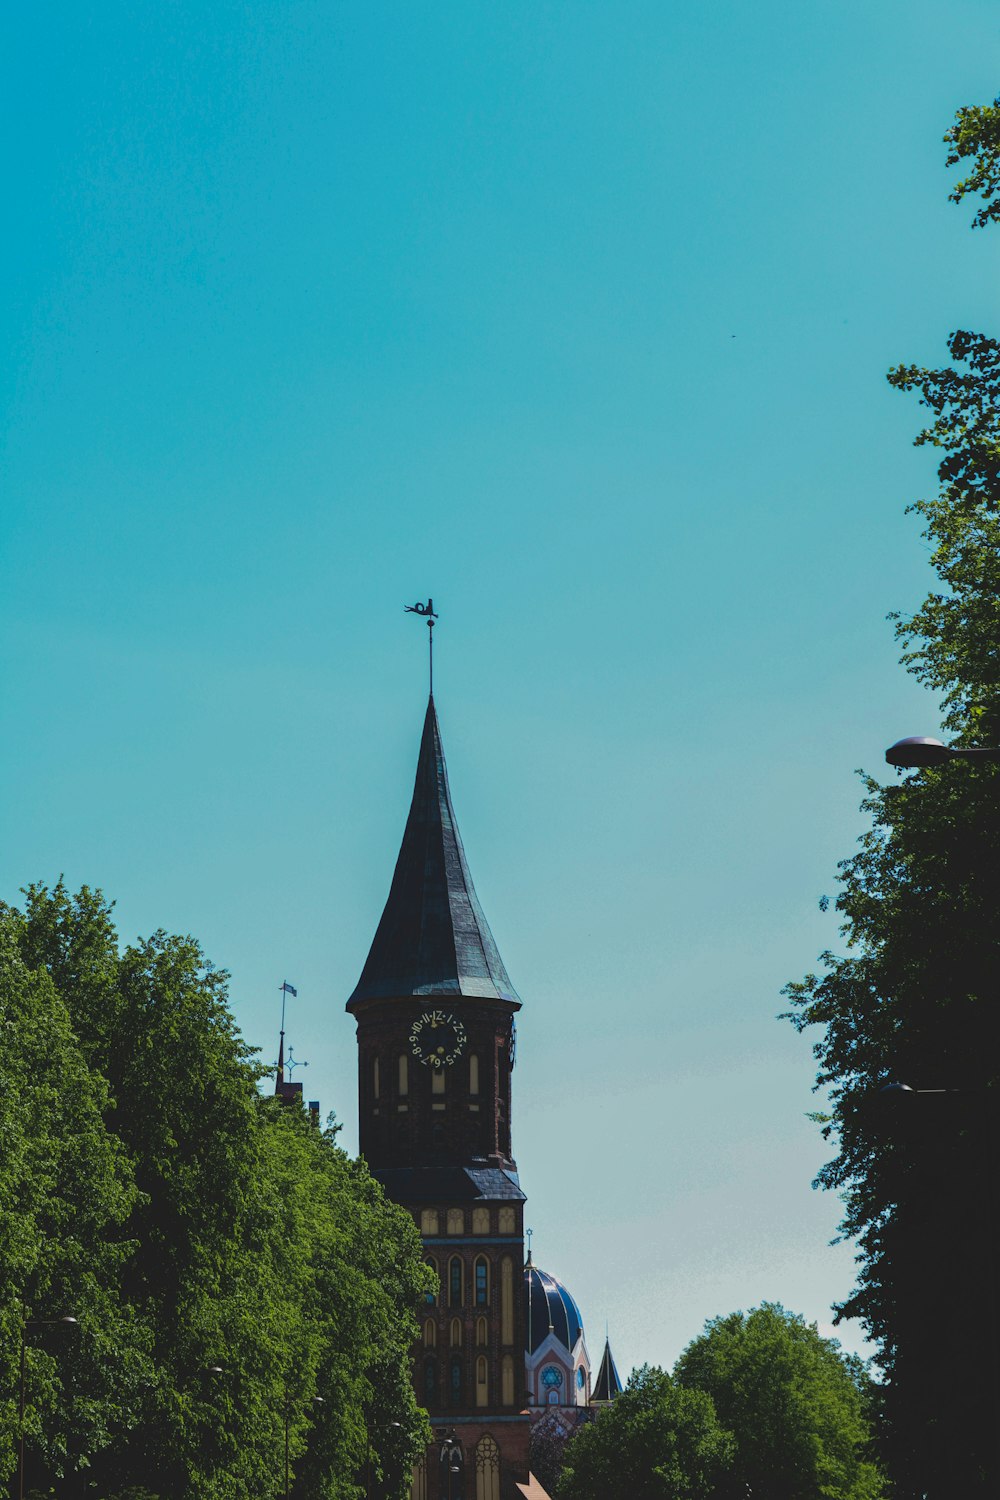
575, 316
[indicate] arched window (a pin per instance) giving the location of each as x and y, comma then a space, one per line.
456, 1285
404, 1075
455, 1333
430, 1381
482, 1382
507, 1380
430, 1334
456, 1221
508, 1221
429, 1221
482, 1333
506, 1300
480, 1221
455, 1382
487, 1469
376, 1081
433, 1295
482, 1281
473, 1074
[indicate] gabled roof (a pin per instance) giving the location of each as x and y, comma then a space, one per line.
607, 1385
433, 938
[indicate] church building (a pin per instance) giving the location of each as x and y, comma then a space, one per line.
435, 1013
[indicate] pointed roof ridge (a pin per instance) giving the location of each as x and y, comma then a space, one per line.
433, 937
608, 1384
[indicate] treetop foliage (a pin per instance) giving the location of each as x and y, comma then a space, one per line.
976, 134
147, 1188
912, 999
758, 1404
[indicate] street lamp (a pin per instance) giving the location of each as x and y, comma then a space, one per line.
316, 1401
27, 1323
368, 1451
919, 750
452, 1463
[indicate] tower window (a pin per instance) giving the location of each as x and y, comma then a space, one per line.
404, 1074
507, 1300
429, 1221
473, 1074
480, 1221
376, 1081
456, 1382
456, 1221
430, 1381
437, 1081
507, 1380
433, 1295
482, 1382
482, 1333
430, 1334
482, 1281
455, 1282
508, 1221
455, 1333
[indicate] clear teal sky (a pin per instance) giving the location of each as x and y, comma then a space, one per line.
574, 315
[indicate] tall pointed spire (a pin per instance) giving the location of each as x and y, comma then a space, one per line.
607, 1385
433, 938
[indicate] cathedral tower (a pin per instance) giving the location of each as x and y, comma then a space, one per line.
435, 1016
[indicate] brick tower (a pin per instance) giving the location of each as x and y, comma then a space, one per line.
435, 1015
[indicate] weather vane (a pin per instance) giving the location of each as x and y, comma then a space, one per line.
426, 612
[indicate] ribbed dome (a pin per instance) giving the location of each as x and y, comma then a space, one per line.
550, 1309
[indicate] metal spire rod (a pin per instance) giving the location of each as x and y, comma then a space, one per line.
426, 612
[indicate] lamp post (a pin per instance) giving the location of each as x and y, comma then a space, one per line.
897, 1094
27, 1323
316, 1401
452, 1463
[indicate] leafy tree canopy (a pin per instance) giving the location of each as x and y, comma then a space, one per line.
231, 1268
795, 1405
657, 1441
912, 998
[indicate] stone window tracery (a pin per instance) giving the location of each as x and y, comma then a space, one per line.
487, 1469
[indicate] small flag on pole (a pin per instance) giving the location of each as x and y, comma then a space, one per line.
289, 989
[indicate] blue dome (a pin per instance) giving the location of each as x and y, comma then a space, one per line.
550, 1309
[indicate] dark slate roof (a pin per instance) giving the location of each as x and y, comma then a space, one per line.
433, 938
427, 1185
607, 1385
550, 1309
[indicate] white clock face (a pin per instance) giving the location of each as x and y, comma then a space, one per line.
437, 1039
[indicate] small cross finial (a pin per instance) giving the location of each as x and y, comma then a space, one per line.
291, 1064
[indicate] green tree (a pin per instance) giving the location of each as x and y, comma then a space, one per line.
657, 1441
268, 1278
795, 1405
913, 997
66, 1195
